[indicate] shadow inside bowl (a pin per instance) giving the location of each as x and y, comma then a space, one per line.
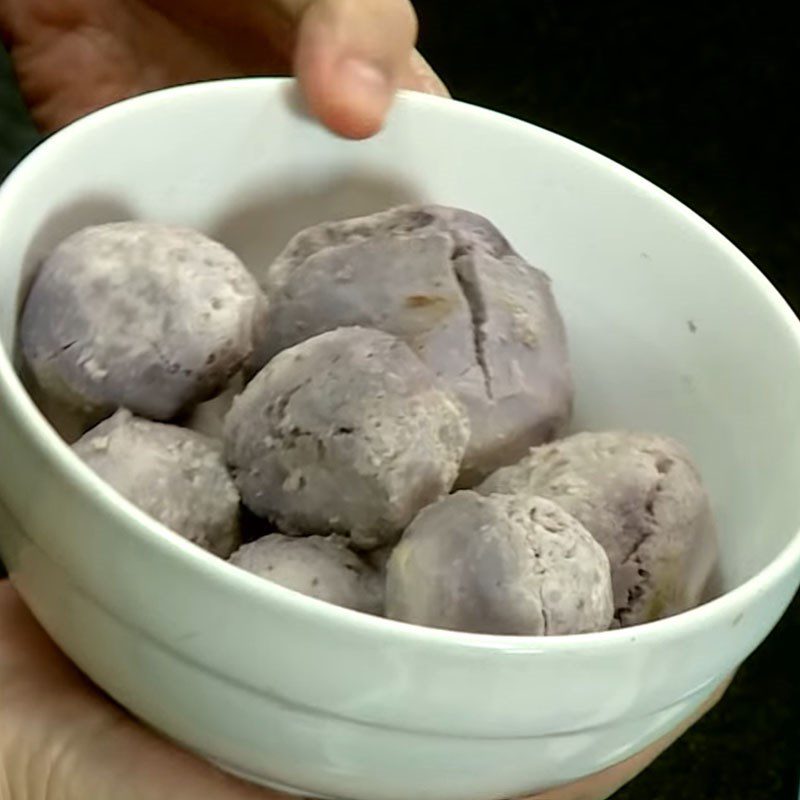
264, 219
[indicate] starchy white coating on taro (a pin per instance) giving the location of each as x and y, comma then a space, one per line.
347, 432
176, 476
641, 497
138, 315
504, 564
319, 566
449, 284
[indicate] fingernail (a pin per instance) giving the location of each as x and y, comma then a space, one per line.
364, 83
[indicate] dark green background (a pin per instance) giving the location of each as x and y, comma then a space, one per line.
699, 103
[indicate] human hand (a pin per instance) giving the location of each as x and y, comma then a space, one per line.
75, 56
61, 739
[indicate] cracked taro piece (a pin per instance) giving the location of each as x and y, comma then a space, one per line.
347, 432
176, 476
139, 315
502, 564
449, 284
319, 566
642, 498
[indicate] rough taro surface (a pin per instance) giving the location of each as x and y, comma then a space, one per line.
503, 564
642, 498
176, 476
137, 315
319, 566
449, 284
347, 432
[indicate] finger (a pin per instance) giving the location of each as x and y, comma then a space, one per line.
350, 59
420, 77
604, 784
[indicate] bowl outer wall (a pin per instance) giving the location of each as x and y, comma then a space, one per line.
282, 644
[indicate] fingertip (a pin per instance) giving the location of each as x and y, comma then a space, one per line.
350, 59
350, 96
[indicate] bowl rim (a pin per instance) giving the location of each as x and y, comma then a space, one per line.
40, 434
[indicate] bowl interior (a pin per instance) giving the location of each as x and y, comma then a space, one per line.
671, 328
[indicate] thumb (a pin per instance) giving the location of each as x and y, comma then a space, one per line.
351, 57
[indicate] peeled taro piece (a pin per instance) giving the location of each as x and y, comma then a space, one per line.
143, 316
449, 284
347, 432
503, 564
176, 476
318, 566
641, 496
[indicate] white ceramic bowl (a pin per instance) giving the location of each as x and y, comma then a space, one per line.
672, 329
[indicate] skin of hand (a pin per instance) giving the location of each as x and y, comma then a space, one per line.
62, 739
350, 56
